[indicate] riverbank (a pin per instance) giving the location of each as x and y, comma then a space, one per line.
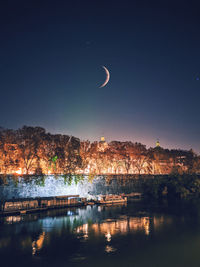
154, 186
174, 186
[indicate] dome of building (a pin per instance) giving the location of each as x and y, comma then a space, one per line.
157, 143
102, 139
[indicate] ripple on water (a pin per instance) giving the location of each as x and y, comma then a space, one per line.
78, 258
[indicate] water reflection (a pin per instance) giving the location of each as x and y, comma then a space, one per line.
110, 249
118, 226
84, 230
85, 221
12, 219
108, 236
77, 234
37, 244
82, 222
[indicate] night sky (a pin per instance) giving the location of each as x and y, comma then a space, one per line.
51, 58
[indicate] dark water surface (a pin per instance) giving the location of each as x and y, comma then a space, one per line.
136, 234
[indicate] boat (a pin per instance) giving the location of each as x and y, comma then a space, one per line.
90, 203
111, 199
25, 205
132, 196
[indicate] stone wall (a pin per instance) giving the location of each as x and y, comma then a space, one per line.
44, 186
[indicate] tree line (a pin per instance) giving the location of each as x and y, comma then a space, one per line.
31, 150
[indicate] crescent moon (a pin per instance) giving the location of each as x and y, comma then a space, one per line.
107, 77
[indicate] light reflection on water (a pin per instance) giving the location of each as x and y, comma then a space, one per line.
88, 234
12, 219
37, 244
110, 249
117, 226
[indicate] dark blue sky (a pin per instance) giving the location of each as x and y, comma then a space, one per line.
51, 53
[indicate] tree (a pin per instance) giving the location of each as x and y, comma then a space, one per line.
73, 160
8, 151
29, 139
85, 154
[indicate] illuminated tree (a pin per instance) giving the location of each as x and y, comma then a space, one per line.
29, 139
8, 151
85, 154
31, 150
73, 160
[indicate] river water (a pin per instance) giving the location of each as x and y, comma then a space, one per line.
136, 234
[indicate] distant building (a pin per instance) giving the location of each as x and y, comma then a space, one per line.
157, 143
102, 139
102, 144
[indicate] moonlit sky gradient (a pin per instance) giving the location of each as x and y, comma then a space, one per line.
51, 57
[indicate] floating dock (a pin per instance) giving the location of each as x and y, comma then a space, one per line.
29, 205
111, 199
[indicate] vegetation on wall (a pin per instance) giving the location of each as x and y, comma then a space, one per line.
174, 186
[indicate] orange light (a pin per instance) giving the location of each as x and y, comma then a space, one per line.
19, 171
